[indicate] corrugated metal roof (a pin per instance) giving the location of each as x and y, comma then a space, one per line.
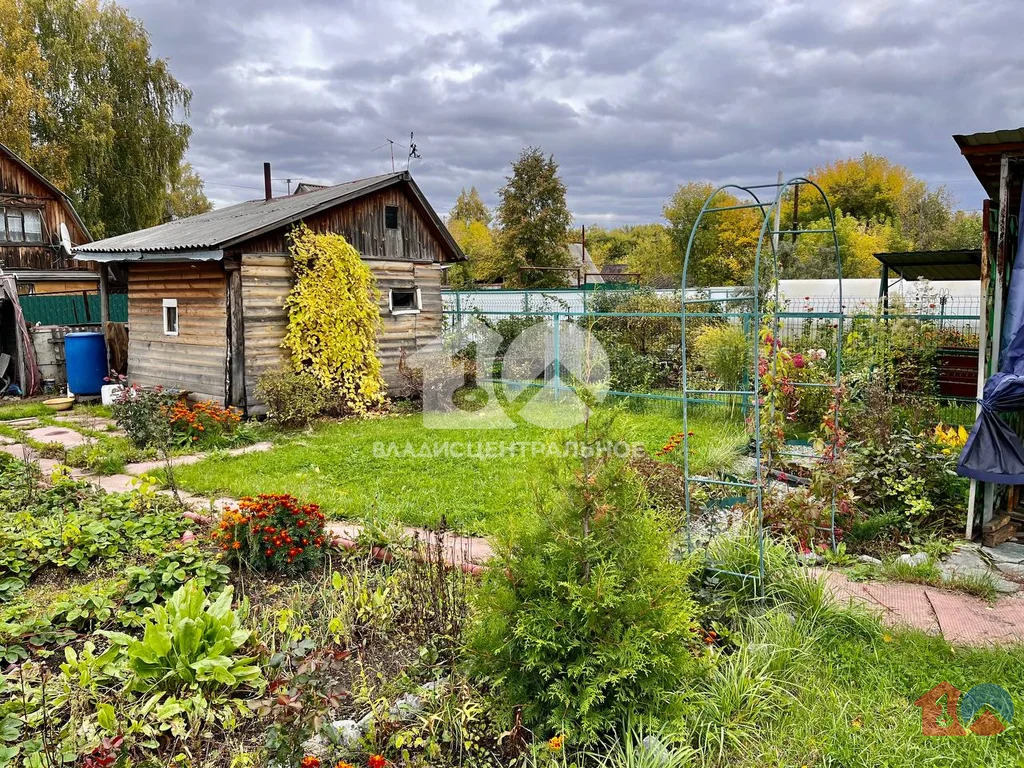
985, 138
984, 151
221, 226
934, 265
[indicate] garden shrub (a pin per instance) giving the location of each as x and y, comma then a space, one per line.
334, 318
294, 398
585, 617
631, 371
273, 533
724, 350
911, 476
142, 414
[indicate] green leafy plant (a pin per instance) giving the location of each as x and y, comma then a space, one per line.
725, 351
148, 584
190, 642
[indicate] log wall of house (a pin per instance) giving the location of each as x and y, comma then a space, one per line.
406, 331
195, 359
19, 188
362, 223
266, 281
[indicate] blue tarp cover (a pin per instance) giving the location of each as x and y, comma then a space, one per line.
993, 452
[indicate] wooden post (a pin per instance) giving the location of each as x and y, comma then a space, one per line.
1002, 243
236, 339
105, 308
972, 496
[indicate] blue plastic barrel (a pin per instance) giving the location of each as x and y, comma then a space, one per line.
86, 356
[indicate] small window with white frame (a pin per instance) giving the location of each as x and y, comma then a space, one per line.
170, 317
404, 301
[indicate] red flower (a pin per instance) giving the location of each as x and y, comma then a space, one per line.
376, 761
798, 360
310, 761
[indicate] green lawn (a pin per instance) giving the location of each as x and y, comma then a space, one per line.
337, 465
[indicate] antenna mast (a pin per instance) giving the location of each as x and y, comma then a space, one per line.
413, 154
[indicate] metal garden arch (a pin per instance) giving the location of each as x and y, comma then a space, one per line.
759, 315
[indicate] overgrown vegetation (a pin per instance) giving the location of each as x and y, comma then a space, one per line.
334, 318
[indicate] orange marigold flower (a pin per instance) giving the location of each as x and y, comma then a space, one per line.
237, 545
376, 761
555, 743
310, 761
343, 764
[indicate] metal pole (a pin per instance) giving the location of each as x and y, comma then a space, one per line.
557, 364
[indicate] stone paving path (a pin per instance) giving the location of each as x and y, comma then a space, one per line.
961, 619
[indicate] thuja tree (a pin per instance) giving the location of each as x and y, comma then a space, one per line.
334, 318
586, 619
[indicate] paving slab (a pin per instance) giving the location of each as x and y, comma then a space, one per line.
68, 438
905, 604
143, 467
19, 451
1007, 552
114, 483
966, 620
28, 421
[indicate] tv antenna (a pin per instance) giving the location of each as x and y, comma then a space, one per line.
391, 144
413, 154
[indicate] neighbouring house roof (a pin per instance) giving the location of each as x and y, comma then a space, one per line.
64, 199
589, 273
53, 275
205, 236
934, 265
984, 151
304, 186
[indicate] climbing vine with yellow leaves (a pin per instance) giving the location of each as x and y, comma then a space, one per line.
334, 319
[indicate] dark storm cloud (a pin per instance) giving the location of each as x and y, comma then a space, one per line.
632, 98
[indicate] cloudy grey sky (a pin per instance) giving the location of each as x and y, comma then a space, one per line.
632, 97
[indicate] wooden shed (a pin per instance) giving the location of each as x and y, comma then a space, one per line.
206, 294
32, 213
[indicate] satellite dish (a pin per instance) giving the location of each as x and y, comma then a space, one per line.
65, 240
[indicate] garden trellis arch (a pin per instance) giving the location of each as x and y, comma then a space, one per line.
764, 311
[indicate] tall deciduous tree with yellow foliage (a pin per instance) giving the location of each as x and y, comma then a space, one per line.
469, 222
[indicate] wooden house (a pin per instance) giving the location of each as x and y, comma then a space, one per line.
32, 214
206, 294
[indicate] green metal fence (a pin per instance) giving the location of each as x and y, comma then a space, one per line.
875, 336
72, 308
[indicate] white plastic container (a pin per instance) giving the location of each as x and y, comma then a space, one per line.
108, 392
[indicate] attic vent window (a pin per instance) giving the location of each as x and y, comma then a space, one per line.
391, 216
404, 301
170, 317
